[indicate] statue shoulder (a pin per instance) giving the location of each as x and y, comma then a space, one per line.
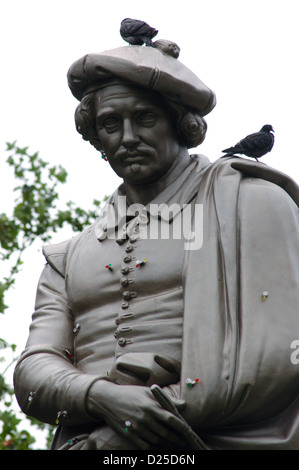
265, 193
56, 254
259, 177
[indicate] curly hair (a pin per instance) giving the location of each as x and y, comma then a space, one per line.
191, 127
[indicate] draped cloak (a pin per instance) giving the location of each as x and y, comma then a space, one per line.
241, 319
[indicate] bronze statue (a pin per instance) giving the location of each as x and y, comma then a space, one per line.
142, 340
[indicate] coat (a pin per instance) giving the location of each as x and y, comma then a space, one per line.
241, 297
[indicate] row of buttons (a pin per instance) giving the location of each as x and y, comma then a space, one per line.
127, 295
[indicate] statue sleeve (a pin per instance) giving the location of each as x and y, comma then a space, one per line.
47, 384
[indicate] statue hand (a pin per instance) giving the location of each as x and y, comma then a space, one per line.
105, 438
173, 404
120, 405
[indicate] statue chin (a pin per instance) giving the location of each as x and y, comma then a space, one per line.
135, 169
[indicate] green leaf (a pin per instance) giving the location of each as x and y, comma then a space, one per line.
10, 146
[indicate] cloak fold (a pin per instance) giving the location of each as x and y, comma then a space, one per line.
241, 290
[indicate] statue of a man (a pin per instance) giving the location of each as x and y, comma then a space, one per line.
169, 323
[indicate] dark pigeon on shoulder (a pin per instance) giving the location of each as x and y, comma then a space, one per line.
137, 32
254, 145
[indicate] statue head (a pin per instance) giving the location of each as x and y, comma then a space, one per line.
136, 132
154, 69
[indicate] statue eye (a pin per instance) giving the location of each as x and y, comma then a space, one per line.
111, 124
147, 119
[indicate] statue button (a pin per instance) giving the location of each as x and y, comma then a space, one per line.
127, 295
127, 259
120, 241
115, 334
134, 239
125, 270
129, 248
122, 342
124, 281
102, 237
124, 305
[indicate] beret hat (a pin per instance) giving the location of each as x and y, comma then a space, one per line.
144, 66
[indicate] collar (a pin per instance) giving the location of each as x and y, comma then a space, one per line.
118, 216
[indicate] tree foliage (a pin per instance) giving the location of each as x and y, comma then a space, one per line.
34, 216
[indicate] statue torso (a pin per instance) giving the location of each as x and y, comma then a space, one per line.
126, 308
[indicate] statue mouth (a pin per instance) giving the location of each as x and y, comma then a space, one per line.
132, 157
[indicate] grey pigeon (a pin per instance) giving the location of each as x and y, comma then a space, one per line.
254, 145
137, 32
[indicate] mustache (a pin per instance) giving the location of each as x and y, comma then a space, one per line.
122, 154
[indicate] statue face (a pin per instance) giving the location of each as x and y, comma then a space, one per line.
136, 132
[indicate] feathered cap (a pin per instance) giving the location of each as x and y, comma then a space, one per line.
155, 68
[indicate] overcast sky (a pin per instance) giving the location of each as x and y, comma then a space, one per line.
245, 50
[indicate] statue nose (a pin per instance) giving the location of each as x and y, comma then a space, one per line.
129, 138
